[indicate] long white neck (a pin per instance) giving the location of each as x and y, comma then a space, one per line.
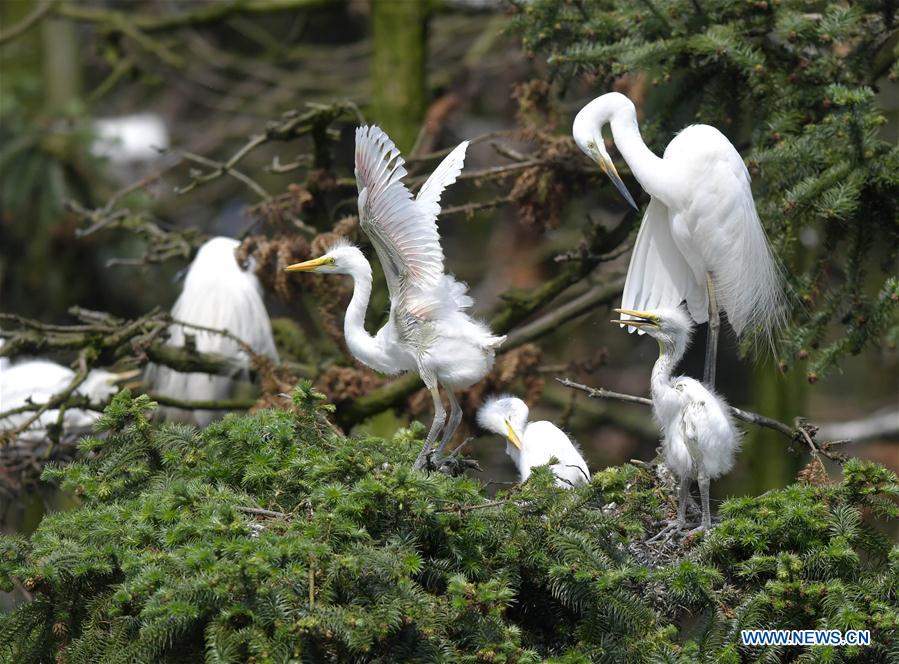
653, 174
362, 345
669, 355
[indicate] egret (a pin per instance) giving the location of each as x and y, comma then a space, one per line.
701, 240
531, 444
428, 330
218, 294
699, 438
38, 381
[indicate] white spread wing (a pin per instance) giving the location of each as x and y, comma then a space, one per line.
404, 236
428, 199
658, 275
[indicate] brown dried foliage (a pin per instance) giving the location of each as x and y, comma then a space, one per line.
275, 380
342, 384
272, 256
284, 210
814, 474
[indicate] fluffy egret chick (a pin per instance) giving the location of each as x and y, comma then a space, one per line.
428, 330
699, 438
701, 240
39, 381
218, 294
531, 444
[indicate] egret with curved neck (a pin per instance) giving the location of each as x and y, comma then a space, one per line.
699, 438
701, 240
428, 329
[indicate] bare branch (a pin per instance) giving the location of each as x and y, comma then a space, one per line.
803, 432
28, 22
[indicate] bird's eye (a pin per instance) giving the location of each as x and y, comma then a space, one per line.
331, 261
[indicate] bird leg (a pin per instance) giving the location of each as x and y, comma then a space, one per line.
706, 522
711, 345
682, 500
439, 418
455, 419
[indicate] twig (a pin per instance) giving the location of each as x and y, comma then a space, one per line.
219, 168
57, 399
258, 511
596, 296
26, 23
220, 404
471, 508
801, 432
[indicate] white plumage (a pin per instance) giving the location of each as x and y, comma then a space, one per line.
699, 437
218, 294
532, 444
39, 381
428, 330
701, 240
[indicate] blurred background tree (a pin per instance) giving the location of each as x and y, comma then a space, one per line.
241, 99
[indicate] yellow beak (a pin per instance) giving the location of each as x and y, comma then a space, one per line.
512, 436
608, 167
640, 318
307, 266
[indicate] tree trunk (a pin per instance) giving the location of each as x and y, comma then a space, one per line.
400, 38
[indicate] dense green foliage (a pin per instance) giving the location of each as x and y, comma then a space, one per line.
360, 558
792, 83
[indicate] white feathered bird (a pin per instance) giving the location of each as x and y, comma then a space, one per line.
218, 294
38, 381
701, 241
699, 438
531, 444
428, 330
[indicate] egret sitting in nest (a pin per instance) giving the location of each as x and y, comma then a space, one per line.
218, 294
532, 444
699, 438
37, 382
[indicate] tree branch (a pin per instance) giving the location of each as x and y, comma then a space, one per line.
803, 432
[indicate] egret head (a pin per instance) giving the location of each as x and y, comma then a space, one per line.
505, 415
587, 132
341, 258
672, 326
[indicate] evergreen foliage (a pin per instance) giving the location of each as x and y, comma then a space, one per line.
792, 84
273, 538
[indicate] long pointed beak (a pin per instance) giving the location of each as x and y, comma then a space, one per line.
608, 167
307, 266
639, 318
512, 436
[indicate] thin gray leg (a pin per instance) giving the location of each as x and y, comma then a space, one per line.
455, 419
436, 424
682, 501
711, 346
704, 495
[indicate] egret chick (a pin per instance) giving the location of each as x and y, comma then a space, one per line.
701, 240
218, 294
699, 438
531, 444
38, 381
428, 330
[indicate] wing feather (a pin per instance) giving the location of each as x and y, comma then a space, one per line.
658, 275
404, 236
428, 199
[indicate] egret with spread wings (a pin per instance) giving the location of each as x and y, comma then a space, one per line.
701, 241
699, 438
428, 330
